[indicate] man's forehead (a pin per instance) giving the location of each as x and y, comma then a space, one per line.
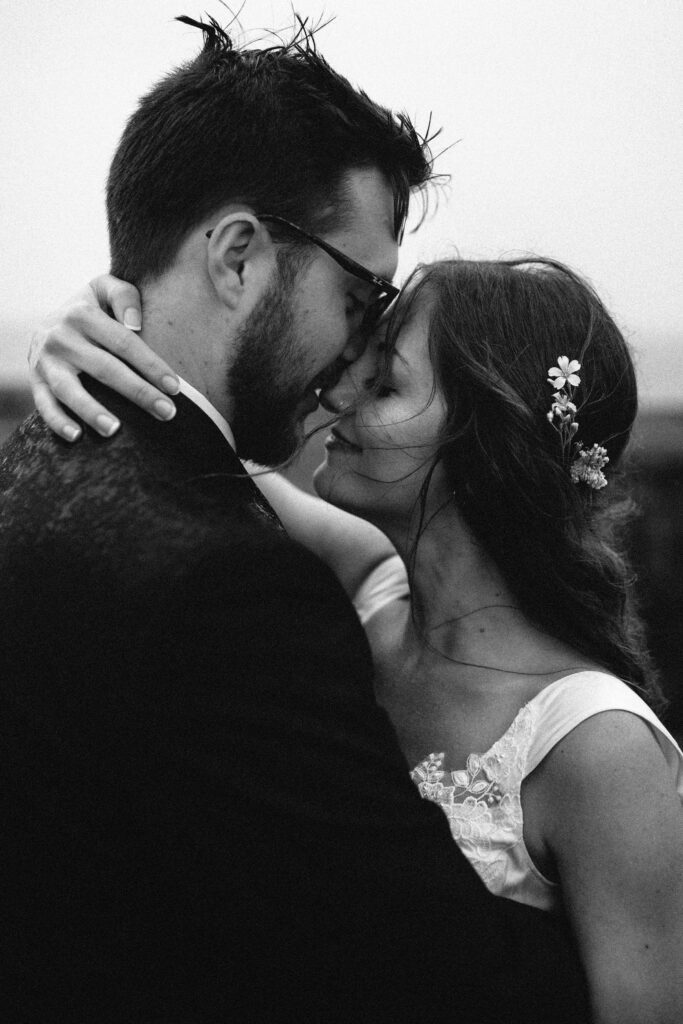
367, 190
366, 228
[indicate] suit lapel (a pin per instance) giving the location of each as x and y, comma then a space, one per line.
189, 450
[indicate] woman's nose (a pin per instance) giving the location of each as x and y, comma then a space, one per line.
351, 387
342, 395
349, 390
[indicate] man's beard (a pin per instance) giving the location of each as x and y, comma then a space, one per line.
262, 379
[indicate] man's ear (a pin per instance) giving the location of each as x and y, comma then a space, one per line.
235, 242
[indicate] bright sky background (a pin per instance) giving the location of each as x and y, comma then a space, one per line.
566, 118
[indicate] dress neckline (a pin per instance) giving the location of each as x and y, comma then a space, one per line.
532, 704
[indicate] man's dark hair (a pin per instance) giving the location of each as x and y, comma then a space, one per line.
275, 128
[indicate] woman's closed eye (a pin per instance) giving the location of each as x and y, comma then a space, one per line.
378, 386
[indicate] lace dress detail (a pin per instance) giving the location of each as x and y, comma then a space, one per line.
482, 801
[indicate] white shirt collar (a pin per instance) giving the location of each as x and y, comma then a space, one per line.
202, 402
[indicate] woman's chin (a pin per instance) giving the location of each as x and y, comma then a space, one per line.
332, 485
322, 481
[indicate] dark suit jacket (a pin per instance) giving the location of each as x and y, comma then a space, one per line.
205, 817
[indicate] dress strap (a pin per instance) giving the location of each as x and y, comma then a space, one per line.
564, 704
386, 583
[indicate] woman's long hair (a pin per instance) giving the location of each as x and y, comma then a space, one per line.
496, 327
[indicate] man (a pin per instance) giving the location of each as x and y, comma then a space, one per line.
207, 817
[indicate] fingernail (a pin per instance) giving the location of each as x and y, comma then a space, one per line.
71, 433
131, 319
170, 384
164, 410
107, 426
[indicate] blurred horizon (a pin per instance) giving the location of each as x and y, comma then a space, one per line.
561, 136
656, 356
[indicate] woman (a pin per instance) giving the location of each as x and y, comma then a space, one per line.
480, 435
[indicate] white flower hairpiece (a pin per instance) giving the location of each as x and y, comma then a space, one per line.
586, 466
564, 373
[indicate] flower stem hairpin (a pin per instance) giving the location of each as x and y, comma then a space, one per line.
586, 466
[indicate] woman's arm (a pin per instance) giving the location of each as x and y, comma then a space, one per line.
348, 545
614, 825
83, 336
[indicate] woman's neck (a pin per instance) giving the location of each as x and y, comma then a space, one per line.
463, 611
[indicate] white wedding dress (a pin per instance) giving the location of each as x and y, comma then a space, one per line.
482, 799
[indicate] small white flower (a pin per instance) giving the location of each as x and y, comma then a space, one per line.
563, 400
562, 407
564, 372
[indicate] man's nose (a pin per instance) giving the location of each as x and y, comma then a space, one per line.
355, 347
347, 389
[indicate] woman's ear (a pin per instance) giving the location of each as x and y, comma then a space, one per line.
235, 242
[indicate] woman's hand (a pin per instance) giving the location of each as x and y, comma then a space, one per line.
83, 336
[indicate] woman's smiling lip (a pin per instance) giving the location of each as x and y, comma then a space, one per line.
337, 440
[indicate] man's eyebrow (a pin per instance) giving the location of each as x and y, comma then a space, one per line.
384, 348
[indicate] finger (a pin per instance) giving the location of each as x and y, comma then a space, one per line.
122, 298
96, 325
108, 370
51, 412
65, 389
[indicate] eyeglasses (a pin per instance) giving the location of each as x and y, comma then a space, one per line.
384, 292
